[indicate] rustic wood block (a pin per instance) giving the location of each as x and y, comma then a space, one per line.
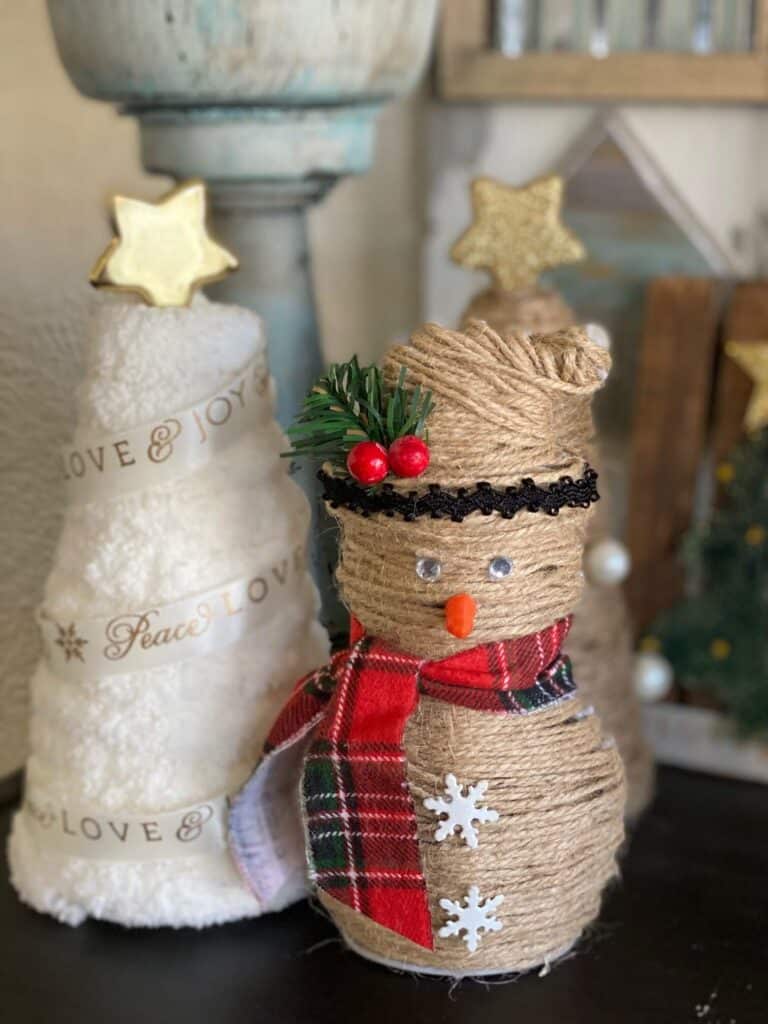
745, 321
672, 400
485, 75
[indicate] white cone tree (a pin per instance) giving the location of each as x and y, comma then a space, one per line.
178, 613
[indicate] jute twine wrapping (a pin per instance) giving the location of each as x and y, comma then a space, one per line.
600, 647
379, 584
559, 793
504, 409
537, 310
600, 643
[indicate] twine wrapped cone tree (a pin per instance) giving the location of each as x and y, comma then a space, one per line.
179, 608
516, 234
461, 805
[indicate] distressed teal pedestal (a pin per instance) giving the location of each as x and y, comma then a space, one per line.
271, 102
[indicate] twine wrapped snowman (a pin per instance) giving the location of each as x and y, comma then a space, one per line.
461, 807
517, 233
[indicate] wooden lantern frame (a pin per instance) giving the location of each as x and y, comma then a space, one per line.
468, 68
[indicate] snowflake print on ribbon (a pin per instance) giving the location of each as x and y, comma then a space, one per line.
473, 916
70, 642
461, 810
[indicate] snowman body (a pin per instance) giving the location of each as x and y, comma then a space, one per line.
462, 808
537, 835
507, 410
551, 780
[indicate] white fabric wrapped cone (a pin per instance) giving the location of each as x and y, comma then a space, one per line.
141, 743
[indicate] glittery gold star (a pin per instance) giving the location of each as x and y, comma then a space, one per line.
752, 357
517, 232
163, 250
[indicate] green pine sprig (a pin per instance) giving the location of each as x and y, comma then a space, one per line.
351, 403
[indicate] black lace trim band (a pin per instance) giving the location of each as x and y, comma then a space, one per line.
457, 505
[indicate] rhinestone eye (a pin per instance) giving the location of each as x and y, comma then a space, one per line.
429, 569
500, 567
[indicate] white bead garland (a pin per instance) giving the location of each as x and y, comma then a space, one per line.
607, 561
652, 675
599, 335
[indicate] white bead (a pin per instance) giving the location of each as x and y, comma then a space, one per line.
652, 676
599, 335
607, 561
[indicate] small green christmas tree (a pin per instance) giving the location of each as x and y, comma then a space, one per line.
717, 638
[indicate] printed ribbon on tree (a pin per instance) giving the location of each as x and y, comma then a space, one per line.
80, 832
169, 447
159, 635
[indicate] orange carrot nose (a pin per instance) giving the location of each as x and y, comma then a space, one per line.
460, 611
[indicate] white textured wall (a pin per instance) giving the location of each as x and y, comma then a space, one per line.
366, 239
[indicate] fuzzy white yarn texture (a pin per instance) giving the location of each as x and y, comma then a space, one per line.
151, 741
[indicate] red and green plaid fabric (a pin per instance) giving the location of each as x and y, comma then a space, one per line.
360, 818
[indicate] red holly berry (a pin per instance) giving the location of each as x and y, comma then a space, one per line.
408, 456
368, 463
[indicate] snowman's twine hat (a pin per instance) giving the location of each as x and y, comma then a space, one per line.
510, 429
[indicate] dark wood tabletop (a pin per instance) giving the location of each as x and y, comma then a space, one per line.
683, 938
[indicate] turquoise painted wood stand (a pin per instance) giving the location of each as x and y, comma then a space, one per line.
271, 102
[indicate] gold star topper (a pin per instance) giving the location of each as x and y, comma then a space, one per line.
517, 232
163, 250
752, 357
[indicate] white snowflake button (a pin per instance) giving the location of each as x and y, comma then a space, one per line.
473, 916
461, 811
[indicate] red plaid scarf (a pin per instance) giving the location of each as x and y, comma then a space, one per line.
360, 818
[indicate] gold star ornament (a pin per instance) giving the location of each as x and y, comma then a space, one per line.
752, 357
517, 232
163, 250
